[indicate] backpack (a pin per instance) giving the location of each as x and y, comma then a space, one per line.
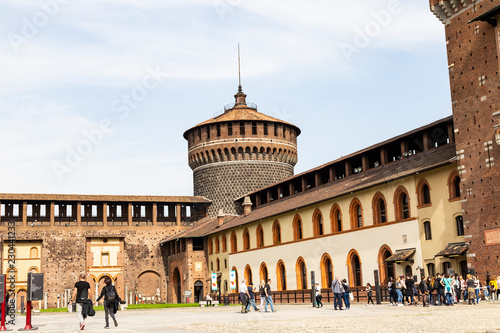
110, 295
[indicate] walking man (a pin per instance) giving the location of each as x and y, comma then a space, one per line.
80, 296
337, 293
251, 300
269, 299
244, 296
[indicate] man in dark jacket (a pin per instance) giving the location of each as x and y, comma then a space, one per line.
409, 290
424, 289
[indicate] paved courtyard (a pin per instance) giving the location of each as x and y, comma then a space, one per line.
484, 317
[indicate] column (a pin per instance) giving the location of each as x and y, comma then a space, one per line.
104, 213
78, 213
383, 156
426, 141
317, 179
129, 213
51, 213
347, 167
332, 173
154, 217
178, 217
365, 163
24, 214
451, 135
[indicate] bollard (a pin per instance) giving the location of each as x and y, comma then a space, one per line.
28, 316
2, 326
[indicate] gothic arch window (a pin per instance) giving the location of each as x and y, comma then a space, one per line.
248, 274
263, 273
336, 218
431, 270
276, 232
297, 227
454, 185
427, 230
217, 245
260, 236
354, 268
356, 214
218, 264
224, 243
234, 243
402, 204
246, 239
301, 270
318, 225
459, 221
386, 269
326, 271
423, 193
210, 246
281, 274
379, 208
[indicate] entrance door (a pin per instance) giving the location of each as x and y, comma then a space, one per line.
198, 291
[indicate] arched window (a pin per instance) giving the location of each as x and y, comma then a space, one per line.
336, 218
431, 270
263, 272
33, 252
427, 230
386, 268
224, 243
408, 271
356, 214
318, 223
210, 246
326, 271
460, 225
301, 271
217, 245
297, 227
354, 268
276, 232
423, 193
260, 236
234, 244
218, 264
379, 208
402, 203
246, 239
454, 185
248, 274
281, 274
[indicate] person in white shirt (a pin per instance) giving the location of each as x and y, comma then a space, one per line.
318, 296
208, 298
244, 296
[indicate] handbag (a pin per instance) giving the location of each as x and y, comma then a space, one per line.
351, 296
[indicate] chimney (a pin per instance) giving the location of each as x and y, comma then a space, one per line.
247, 206
220, 218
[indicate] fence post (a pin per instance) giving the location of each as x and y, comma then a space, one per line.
357, 294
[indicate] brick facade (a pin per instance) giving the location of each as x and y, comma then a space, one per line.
473, 47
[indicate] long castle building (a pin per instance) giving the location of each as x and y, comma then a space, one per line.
424, 201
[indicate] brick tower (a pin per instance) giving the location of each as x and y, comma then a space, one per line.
473, 45
239, 151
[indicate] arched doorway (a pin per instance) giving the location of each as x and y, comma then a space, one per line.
248, 274
354, 265
386, 269
176, 284
263, 272
281, 273
149, 286
198, 291
326, 271
408, 271
22, 298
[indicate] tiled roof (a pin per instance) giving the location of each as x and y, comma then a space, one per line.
375, 146
431, 159
108, 198
401, 255
200, 228
241, 113
453, 249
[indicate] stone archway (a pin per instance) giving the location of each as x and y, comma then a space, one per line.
149, 286
176, 284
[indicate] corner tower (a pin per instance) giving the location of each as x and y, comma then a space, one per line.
238, 152
473, 44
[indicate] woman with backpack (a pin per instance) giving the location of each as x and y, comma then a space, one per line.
111, 301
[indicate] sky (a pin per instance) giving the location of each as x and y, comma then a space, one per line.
95, 95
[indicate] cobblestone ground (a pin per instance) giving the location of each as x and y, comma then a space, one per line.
484, 317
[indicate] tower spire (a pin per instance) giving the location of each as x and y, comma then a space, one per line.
240, 95
239, 69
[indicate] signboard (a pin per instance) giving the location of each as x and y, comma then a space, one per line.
214, 281
451, 271
232, 280
187, 293
2, 288
35, 286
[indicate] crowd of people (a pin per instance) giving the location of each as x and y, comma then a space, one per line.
442, 289
247, 296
